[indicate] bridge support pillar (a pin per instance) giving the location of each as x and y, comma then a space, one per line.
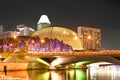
52, 68
88, 73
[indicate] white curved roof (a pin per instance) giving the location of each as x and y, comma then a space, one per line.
44, 19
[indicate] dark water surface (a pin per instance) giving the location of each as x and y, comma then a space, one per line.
94, 73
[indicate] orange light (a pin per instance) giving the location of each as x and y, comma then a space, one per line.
11, 44
89, 37
42, 40
64, 32
33, 41
75, 38
15, 37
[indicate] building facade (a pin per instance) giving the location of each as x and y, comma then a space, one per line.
90, 37
24, 30
7, 34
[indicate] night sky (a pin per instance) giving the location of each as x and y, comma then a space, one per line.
103, 14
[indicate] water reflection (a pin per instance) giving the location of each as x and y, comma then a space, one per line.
93, 73
80, 74
38, 75
105, 73
58, 75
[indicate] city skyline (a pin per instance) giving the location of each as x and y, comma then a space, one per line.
71, 14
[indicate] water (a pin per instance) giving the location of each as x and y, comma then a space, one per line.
93, 73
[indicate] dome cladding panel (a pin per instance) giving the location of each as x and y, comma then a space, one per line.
62, 34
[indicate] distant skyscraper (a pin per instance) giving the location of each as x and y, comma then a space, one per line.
1, 28
43, 22
90, 37
24, 30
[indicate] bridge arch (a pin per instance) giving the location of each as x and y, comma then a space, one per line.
73, 59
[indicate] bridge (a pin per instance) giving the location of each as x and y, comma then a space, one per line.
65, 58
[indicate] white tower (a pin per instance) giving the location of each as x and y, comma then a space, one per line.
43, 22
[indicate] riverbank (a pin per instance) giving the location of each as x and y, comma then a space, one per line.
11, 66
17, 66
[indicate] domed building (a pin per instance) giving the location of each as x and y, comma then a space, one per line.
64, 35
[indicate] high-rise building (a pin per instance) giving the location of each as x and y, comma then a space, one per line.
1, 28
24, 30
43, 22
90, 37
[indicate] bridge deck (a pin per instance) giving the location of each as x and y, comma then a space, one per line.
56, 54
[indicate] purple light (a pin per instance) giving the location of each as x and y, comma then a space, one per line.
35, 45
21, 44
53, 45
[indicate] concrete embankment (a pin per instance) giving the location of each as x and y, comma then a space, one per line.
10, 66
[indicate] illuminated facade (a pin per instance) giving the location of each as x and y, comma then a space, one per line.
43, 22
33, 45
50, 39
37, 44
90, 37
24, 30
7, 34
65, 35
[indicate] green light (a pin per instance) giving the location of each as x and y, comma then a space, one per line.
83, 62
80, 75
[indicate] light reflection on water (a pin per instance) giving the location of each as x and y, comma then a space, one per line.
101, 73
105, 73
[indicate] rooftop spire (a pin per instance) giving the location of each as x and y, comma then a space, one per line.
43, 19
